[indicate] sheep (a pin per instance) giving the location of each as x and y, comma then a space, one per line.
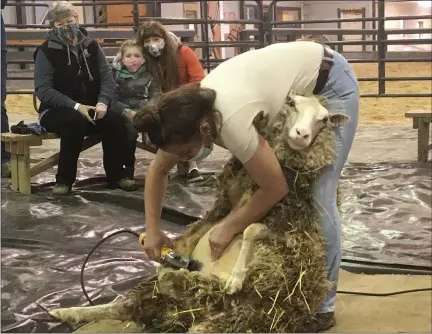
269, 279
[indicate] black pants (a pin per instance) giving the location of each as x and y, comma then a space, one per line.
129, 154
73, 127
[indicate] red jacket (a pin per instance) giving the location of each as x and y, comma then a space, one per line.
189, 66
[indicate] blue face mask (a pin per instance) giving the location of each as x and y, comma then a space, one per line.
203, 153
68, 32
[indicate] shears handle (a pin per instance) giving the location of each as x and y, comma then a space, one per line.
141, 238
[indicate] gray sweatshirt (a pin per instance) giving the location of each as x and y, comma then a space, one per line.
44, 73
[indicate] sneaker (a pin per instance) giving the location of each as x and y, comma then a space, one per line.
127, 184
194, 176
61, 189
320, 322
6, 170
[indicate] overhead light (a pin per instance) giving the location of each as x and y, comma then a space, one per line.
425, 3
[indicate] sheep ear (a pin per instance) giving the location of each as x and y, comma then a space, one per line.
338, 119
290, 101
322, 100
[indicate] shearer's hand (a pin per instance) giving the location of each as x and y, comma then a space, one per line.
154, 240
219, 239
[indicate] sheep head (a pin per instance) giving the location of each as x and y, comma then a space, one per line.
306, 116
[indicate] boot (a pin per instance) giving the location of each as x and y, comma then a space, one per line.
61, 190
6, 170
127, 184
319, 323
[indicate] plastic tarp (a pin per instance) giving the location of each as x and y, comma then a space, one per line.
44, 240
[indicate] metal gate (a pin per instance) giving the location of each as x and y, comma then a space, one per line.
266, 29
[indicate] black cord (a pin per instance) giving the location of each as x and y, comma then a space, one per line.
137, 235
92, 251
383, 294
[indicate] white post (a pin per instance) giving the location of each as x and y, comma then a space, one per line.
224, 27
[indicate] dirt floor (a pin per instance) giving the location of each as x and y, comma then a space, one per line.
403, 313
373, 110
392, 110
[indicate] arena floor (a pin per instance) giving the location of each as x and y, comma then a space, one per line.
373, 110
386, 218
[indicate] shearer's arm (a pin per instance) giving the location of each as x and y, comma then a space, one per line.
156, 183
263, 166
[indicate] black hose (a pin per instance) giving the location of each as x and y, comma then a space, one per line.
92, 251
137, 235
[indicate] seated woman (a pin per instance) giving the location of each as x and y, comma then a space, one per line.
172, 65
134, 88
74, 83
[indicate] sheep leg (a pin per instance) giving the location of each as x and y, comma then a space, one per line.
186, 243
75, 315
238, 274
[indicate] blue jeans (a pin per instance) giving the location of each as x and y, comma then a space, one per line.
343, 96
5, 156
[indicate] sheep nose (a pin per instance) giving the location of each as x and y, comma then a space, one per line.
302, 133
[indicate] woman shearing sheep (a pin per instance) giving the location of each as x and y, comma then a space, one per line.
186, 122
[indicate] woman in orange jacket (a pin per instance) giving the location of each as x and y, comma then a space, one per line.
172, 64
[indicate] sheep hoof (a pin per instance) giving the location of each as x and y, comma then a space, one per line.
235, 281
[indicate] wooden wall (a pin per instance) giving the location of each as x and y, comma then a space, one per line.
123, 13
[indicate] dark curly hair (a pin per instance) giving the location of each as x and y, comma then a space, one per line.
175, 117
165, 68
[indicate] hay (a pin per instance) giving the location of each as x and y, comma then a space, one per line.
286, 279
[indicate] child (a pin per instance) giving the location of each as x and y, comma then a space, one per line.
134, 88
134, 83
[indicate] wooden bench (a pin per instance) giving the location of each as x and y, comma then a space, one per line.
421, 122
19, 147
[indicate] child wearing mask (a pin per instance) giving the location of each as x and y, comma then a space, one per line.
134, 88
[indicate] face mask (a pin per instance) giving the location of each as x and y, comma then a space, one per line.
155, 48
68, 32
133, 64
203, 153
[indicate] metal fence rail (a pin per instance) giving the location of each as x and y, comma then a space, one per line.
23, 38
381, 40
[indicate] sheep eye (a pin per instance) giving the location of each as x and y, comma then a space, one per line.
291, 102
325, 120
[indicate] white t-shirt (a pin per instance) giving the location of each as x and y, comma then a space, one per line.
260, 80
